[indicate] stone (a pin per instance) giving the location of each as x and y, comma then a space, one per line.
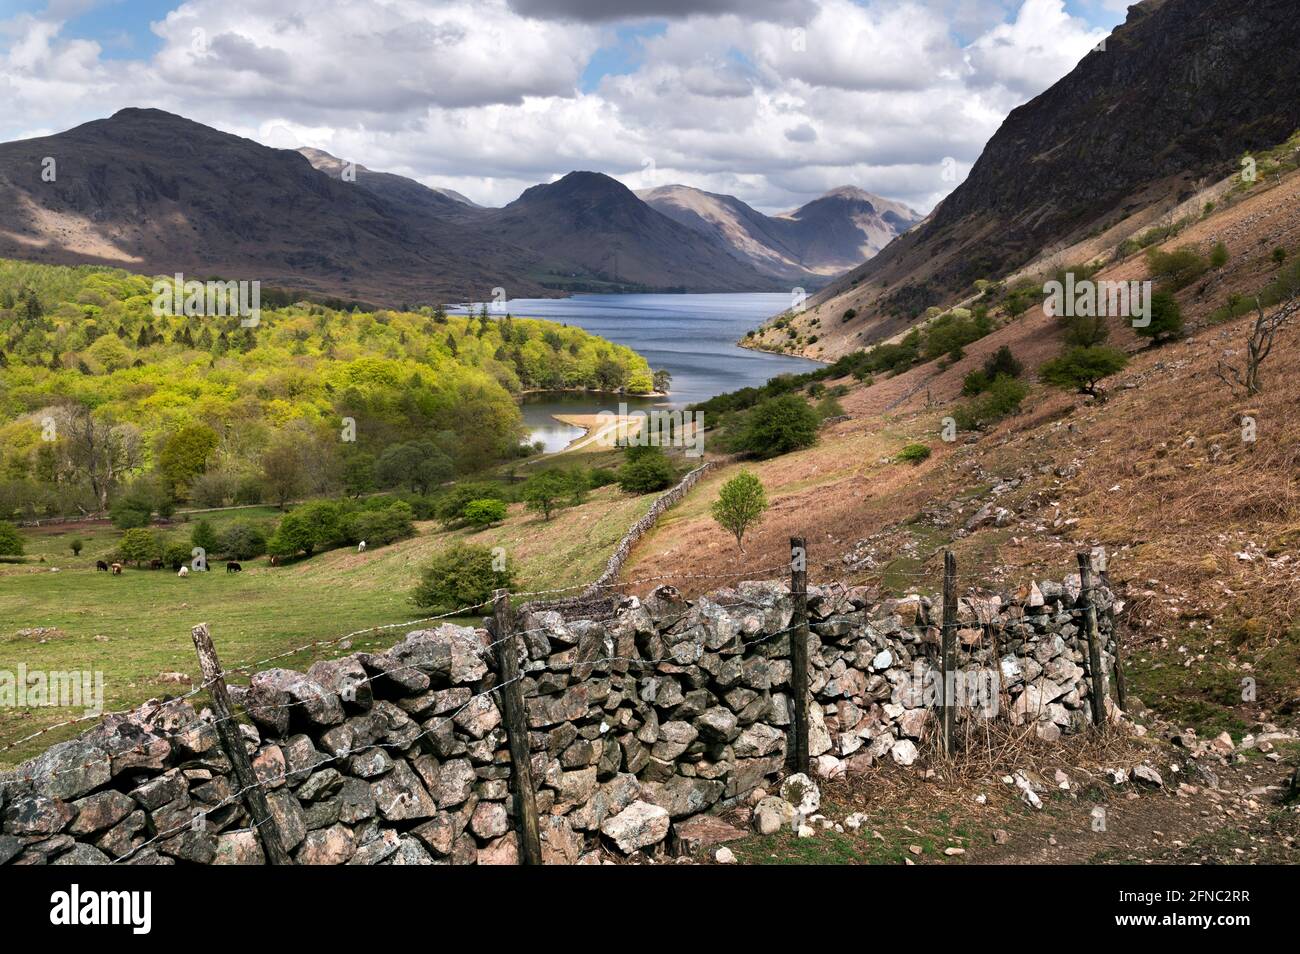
269, 766
410, 852
674, 739
561, 845
701, 833
829, 767
82, 854
356, 801
1147, 775
489, 821
724, 856
479, 717
329, 846
37, 815
759, 740
69, 769
502, 851
682, 796
718, 724
802, 794
903, 752
399, 796
638, 826
99, 811
288, 817
455, 782
312, 701
377, 850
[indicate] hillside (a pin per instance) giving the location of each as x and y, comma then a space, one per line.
829, 235
398, 190
602, 230
157, 193
1176, 96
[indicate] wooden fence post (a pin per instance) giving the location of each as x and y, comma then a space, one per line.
949, 649
799, 758
1103, 573
1098, 692
512, 701
233, 744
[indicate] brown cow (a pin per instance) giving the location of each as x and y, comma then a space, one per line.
117, 569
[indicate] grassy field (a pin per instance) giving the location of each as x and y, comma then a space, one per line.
136, 626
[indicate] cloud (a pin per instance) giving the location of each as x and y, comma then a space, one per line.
772, 101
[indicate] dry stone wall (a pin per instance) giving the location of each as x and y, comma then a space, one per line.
641, 726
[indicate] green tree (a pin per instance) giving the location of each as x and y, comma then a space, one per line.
76, 546
646, 470
1166, 319
283, 474
184, 456
740, 505
358, 474
293, 536
11, 544
544, 490
464, 575
204, 536
1082, 369
777, 426
139, 544
484, 512
241, 540
419, 464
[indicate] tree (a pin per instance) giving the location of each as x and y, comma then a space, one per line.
1082, 369
241, 540
419, 464
293, 536
1166, 319
646, 470
777, 426
358, 474
484, 512
184, 456
136, 506
740, 505
139, 544
11, 544
76, 546
663, 380
1258, 347
544, 490
282, 472
204, 536
461, 576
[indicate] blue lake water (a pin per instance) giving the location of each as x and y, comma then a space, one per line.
692, 336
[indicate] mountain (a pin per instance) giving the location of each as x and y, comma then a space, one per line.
399, 190
836, 232
154, 192
602, 231
1176, 95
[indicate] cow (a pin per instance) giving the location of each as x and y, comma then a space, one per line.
117, 569
361, 547
233, 567
101, 565
275, 561
183, 571
155, 564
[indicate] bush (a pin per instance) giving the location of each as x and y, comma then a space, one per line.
241, 540
601, 477
449, 505
914, 454
1002, 397
76, 546
1218, 255
11, 544
1082, 369
740, 504
778, 426
214, 489
1166, 319
204, 536
138, 545
484, 512
248, 490
177, 553
646, 471
1179, 268
1279, 255
461, 576
545, 490
379, 526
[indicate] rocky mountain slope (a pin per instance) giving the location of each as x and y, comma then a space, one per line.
835, 232
399, 190
1182, 90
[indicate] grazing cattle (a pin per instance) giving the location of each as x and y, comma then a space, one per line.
101, 565
361, 547
233, 567
183, 571
275, 561
155, 564
117, 569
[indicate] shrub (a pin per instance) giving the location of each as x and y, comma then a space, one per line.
777, 426
1179, 267
380, 526
461, 576
138, 545
914, 454
215, 488
76, 546
601, 477
1279, 255
740, 505
449, 505
1002, 397
241, 540
1218, 255
177, 553
204, 536
484, 512
1082, 369
11, 544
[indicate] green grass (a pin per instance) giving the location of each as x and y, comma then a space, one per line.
135, 626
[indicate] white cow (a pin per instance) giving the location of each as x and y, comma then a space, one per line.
183, 571
361, 547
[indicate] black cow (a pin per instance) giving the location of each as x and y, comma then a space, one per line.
233, 567
101, 565
155, 564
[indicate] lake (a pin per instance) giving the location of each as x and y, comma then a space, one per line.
692, 336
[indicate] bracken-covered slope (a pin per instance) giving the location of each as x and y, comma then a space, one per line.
1182, 90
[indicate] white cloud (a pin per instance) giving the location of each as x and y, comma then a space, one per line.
483, 95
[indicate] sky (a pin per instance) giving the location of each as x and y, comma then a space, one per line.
773, 101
